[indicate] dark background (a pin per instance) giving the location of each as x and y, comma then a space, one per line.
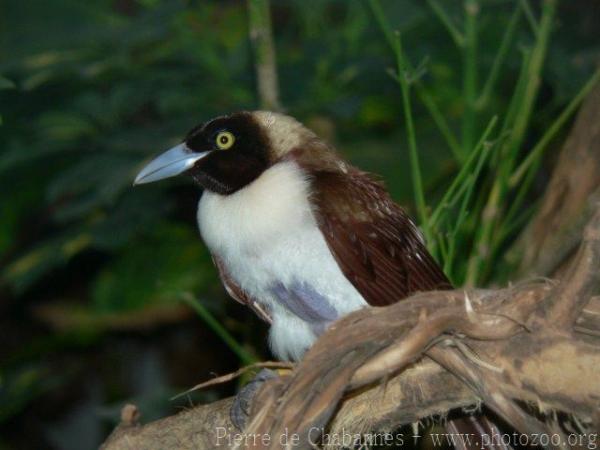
97, 276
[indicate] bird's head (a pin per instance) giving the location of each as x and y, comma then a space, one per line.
229, 152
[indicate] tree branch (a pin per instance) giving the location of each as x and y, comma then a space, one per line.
565, 305
197, 428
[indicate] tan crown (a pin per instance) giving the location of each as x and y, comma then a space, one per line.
284, 132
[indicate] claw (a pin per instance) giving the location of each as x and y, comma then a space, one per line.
240, 409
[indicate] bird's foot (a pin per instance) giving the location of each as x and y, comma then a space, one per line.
240, 409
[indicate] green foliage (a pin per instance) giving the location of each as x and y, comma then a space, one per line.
477, 214
92, 115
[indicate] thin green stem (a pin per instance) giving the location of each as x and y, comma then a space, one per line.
522, 114
459, 180
245, 357
453, 237
534, 70
440, 121
441, 14
520, 196
530, 16
382, 22
412, 140
499, 59
539, 148
443, 251
507, 229
470, 183
462, 189
481, 248
403, 68
425, 97
469, 122
517, 96
516, 222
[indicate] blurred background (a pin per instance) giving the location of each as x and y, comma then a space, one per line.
107, 294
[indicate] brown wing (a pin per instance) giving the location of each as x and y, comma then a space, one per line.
377, 246
238, 294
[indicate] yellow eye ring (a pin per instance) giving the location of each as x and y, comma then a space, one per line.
225, 140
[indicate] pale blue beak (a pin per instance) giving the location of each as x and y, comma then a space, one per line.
172, 162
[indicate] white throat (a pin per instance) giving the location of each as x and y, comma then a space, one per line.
257, 215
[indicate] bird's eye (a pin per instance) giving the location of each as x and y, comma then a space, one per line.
225, 140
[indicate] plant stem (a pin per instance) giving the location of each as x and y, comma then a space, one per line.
440, 121
403, 68
483, 149
259, 21
441, 14
522, 114
517, 95
470, 75
245, 357
459, 179
383, 24
533, 76
499, 59
519, 197
424, 95
412, 141
539, 148
530, 17
443, 252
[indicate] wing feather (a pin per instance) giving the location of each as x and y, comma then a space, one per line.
238, 294
377, 246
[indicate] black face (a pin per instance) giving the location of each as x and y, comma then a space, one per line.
239, 152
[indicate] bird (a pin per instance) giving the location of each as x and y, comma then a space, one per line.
297, 233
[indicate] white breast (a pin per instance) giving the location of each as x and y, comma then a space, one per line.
266, 233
